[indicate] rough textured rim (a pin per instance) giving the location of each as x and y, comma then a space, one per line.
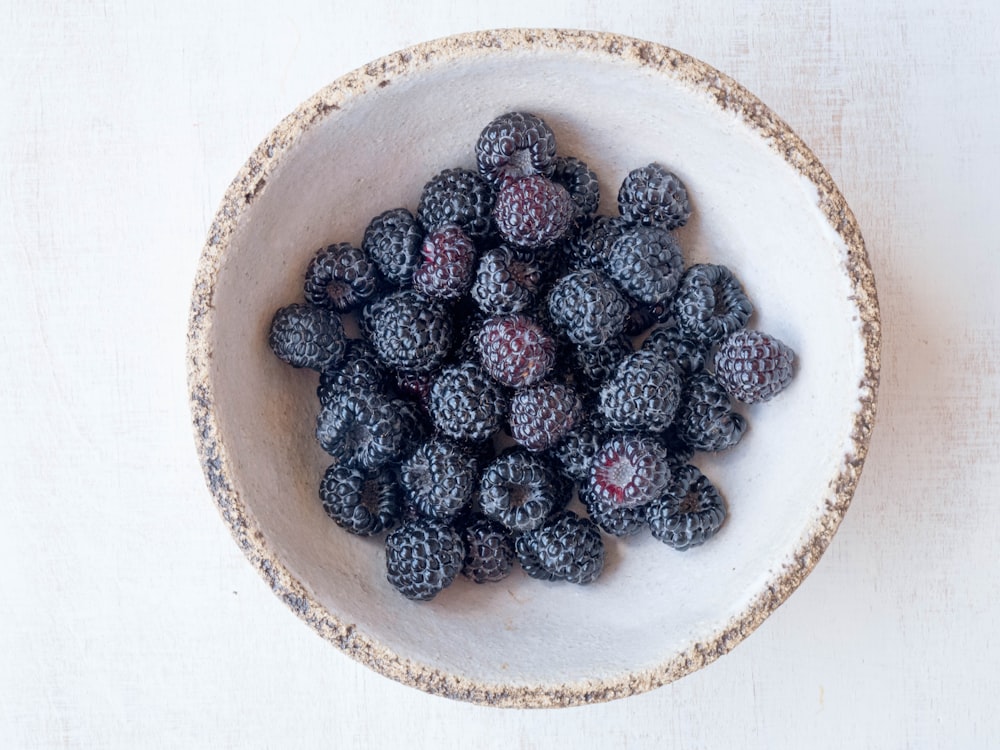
730, 96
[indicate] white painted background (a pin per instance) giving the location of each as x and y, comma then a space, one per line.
128, 617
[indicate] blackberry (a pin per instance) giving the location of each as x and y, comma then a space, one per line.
359, 369
654, 195
593, 242
341, 277
489, 550
439, 479
643, 393
416, 386
541, 415
706, 420
570, 548
392, 240
365, 429
408, 331
689, 513
519, 490
457, 196
533, 211
514, 145
580, 182
422, 557
614, 518
642, 316
629, 470
363, 503
507, 280
307, 336
587, 307
646, 262
753, 366
449, 261
515, 350
710, 303
593, 365
576, 451
526, 549
465, 403
668, 339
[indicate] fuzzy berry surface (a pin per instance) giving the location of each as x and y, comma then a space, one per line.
653, 195
541, 415
515, 145
439, 478
587, 307
629, 470
647, 263
519, 490
643, 393
710, 303
363, 503
448, 263
423, 556
753, 366
457, 196
307, 336
392, 240
706, 420
508, 280
689, 513
408, 330
466, 403
533, 211
515, 350
341, 277
489, 550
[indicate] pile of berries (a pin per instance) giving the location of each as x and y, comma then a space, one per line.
532, 377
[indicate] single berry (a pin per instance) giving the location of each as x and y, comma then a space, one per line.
365, 429
422, 557
513, 145
654, 195
613, 517
449, 261
408, 331
465, 403
646, 262
629, 470
642, 394
457, 196
439, 479
533, 211
580, 182
518, 489
307, 336
753, 366
541, 415
706, 420
360, 368
689, 513
592, 245
710, 303
363, 503
587, 307
341, 277
593, 365
668, 339
570, 548
515, 350
575, 452
392, 240
507, 280
526, 549
489, 550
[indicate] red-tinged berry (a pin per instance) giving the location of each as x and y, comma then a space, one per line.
541, 415
515, 350
629, 470
448, 263
533, 211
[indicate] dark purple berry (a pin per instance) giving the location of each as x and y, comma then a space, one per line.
570, 548
753, 366
587, 307
422, 557
706, 420
710, 303
629, 470
447, 265
465, 403
507, 280
689, 513
519, 490
654, 195
515, 350
363, 503
642, 394
341, 277
514, 145
392, 240
439, 479
533, 211
541, 415
307, 336
647, 263
457, 196
408, 330
581, 183
489, 550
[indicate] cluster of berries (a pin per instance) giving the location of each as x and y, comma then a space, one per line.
519, 350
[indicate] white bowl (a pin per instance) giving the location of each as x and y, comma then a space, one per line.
763, 205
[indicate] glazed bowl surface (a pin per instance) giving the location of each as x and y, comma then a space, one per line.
762, 205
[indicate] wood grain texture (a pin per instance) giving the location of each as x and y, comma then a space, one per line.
131, 619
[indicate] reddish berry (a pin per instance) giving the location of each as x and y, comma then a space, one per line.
515, 350
533, 211
449, 261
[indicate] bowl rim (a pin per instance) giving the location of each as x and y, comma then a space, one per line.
730, 96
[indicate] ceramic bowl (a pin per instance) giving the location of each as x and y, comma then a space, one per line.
762, 204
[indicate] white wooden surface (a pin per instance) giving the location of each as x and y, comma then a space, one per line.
129, 617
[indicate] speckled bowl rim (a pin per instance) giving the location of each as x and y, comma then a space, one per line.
241, 194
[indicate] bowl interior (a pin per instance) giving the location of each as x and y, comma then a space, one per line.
752, 210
